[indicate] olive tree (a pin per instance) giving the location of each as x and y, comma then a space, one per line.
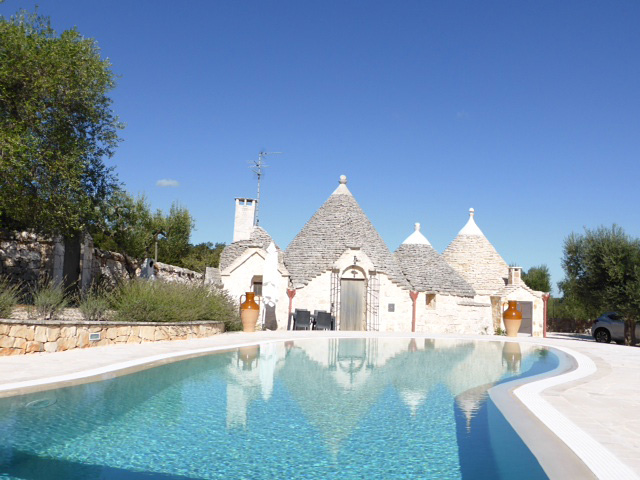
538, 278
602, 269
56, 127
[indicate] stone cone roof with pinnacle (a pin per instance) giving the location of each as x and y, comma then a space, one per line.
338, 225
426, 270
259, 238
473, 257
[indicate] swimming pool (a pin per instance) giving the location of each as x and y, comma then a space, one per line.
321, 408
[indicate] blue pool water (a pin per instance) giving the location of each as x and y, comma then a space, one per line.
318, 409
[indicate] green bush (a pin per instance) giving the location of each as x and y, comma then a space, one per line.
8, 297
93, 305
49, 299
148, 301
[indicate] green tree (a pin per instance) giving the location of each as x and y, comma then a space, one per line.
127, 228
203, 255
130, 228
56, 127
538, 278
176, 228
602, 269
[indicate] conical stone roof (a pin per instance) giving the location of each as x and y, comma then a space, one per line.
338, 225
259, 238
473, 256
426, 270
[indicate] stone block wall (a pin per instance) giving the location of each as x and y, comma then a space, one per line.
24, 255
111, 268
171, 273
23, 337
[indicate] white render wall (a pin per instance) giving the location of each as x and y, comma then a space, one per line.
237, 281
454, 314
451, 315
316, 295
400, 319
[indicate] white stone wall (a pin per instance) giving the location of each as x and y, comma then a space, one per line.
316, 295
237, 280
400, 319
453, 314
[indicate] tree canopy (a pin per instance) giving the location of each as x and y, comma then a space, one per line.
56, 127
602, 269
538, 278
129, 227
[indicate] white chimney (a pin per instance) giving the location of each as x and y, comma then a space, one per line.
515, 275
245, 218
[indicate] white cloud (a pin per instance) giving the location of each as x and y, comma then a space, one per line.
167, 182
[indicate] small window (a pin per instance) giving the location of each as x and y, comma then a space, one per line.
431, 301
256, 285
392, 307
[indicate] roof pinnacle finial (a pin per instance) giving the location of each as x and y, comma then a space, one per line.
417, 226
471, 228
343, 179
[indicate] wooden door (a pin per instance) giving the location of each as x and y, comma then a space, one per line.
352, 307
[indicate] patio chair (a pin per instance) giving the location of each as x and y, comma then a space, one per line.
302, 320
324, 321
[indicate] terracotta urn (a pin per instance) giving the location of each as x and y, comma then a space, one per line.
249, 311
512, 318
512, 354
248, 355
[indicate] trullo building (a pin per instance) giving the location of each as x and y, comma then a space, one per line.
339, 263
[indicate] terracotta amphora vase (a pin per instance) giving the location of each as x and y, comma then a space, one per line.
512, 318
512, 354
249, 311
248, 355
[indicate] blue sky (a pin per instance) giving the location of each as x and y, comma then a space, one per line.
526, 111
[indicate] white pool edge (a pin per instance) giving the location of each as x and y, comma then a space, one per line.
602, 462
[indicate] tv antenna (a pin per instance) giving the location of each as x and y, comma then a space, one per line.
256, 167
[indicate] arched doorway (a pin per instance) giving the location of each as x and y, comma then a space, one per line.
353, 306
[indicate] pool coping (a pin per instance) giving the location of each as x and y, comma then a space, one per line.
596, 457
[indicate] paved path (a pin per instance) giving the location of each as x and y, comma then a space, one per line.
606, 405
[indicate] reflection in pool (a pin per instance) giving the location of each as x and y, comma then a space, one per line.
321, 408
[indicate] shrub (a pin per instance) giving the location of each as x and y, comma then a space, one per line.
8, 297
93, 305
148, 301
49, 299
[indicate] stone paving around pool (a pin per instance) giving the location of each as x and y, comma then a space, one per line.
604, 405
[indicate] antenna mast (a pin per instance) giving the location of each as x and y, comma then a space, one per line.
256, 167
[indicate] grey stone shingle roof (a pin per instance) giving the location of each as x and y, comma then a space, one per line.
428, 272
472, 255
259, 238
338, 224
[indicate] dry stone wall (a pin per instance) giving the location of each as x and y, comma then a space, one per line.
20, 337
24, 255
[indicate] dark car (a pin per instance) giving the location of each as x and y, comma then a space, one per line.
610, 326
